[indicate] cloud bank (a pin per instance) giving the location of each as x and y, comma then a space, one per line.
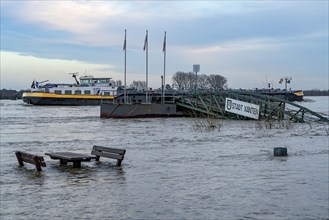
247, 42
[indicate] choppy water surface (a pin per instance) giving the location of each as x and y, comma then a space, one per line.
171, 171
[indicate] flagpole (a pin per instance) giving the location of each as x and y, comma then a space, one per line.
164, 67
125, 76
146, 48
147, 69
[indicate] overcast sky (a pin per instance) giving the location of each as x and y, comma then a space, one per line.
251, 43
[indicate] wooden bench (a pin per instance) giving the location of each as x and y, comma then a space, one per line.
113, 153
38, 161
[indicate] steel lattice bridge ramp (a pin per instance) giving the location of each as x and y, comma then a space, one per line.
212, 104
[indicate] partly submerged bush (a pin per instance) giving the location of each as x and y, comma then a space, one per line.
274, 124
207, 124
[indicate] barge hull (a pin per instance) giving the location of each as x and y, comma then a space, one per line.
61, 101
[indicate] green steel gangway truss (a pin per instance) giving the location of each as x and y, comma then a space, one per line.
212, 104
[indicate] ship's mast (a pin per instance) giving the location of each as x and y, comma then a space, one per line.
74, 75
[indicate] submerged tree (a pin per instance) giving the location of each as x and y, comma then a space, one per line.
203, 82
183, 81
217, 82
190, 81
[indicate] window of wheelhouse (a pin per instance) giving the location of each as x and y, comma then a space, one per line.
85, 81
101, 80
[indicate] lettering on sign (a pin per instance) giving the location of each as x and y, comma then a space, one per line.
242, 108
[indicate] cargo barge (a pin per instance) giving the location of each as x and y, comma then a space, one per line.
88, 91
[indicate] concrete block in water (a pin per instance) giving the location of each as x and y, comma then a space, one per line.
280, 152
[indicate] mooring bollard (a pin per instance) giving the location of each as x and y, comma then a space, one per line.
280, 152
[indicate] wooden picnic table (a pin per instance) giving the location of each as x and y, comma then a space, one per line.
76, 158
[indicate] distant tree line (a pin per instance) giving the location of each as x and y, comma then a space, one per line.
138, 85
190, 81
141, 85
316, 92
11, 94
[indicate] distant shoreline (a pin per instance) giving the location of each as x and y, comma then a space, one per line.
14, 94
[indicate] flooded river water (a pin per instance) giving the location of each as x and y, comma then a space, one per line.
171, 170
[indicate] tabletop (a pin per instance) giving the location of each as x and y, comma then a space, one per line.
70, 156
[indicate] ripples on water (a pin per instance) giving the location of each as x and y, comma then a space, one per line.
170, 171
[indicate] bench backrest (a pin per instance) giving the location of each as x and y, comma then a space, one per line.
113, 153
38, 161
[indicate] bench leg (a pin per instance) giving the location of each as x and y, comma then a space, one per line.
37, 164
119, 162
76, 164
19, 158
